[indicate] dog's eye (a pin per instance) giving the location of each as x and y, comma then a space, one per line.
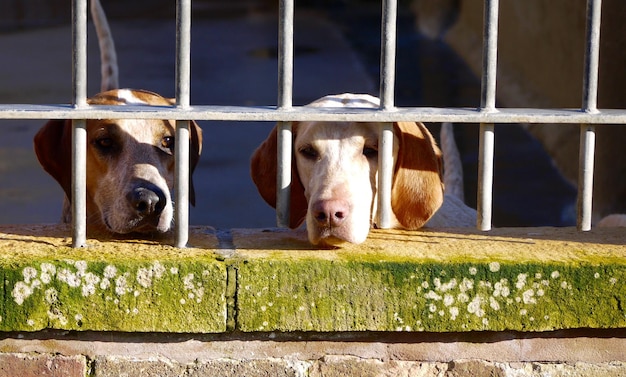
370, 152
104, 143
309, 152
168, 142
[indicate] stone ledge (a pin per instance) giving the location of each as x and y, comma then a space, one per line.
250, 280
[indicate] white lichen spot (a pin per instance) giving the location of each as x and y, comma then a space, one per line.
144, 277
473, 270
188, 281
432, 296
110, 272
21, 292
448, 300
51, 296
486, 321
528, 297
81, 266
182, 301
121, 285
35, 284
454, 312
263, 308
564, 284
136, 293
538, 276
493, 303
523, 312
494, 266
425, 284
174, 270
521, 281
105, 283
48, 270
68, 277
90, 282
540, 292
158, 269
462, 297
475, 306
29, 273
78, 317
613, 281
555, 274
30, 323
446, 286
501, 288
135, 311
596, 275
466, 285
432, 308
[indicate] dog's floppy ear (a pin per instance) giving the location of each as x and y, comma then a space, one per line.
417, 191
195, 149
263, 169
53, 147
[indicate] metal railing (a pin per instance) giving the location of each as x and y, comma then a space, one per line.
285, 113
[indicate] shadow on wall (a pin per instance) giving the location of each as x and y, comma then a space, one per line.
540, 64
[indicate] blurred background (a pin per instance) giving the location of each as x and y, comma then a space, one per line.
234, 44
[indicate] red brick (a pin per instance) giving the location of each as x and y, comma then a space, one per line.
39, 365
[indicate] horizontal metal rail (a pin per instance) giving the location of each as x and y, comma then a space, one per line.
301, 113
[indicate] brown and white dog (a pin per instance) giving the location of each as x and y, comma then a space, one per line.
130, 162
335, 169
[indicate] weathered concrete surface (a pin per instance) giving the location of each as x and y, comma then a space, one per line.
110, 285
511, 279
533, 279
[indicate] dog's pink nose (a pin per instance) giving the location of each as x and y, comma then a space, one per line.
330, 212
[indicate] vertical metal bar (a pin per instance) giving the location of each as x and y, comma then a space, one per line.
183, 49
385, 174
285, 101
485, 176
79, 127
283, 177
285, 53
587, 132
585, 176
488, 103
387, 88
388, 54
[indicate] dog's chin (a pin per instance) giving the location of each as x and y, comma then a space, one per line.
333, 238
137, 226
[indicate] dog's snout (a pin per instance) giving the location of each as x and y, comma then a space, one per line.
330, 212
147, 200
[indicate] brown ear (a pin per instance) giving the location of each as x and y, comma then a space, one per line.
263, 169
53, 146
195, 149
417, 191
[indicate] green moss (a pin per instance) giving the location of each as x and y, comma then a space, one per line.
315, 295
118, 296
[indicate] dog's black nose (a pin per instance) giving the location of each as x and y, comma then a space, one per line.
147, 200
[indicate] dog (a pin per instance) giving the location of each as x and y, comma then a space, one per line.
334, 184
130, 162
